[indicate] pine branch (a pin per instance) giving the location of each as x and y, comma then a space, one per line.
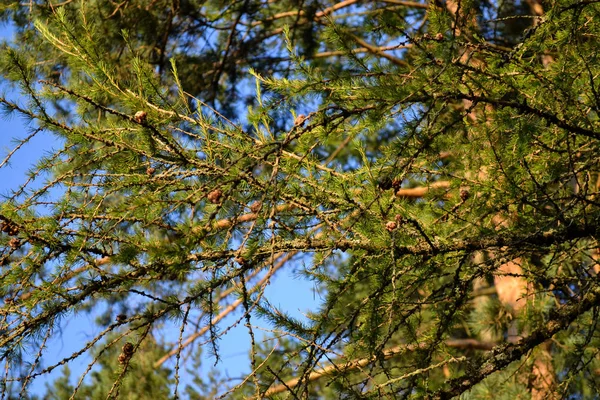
340, 368
503, 355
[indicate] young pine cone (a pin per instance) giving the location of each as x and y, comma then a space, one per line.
127, 349
215, 196
140, 117
255, 207
300, 119
240, 260
464, 194
9, 228
391, 226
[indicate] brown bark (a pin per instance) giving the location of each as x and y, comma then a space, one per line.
543, 383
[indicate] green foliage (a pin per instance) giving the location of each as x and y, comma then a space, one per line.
431, 168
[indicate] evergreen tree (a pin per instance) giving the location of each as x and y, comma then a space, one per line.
431, 167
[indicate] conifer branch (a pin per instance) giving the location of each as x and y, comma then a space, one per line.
340, 368
501, 356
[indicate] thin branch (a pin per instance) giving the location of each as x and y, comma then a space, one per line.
387, 354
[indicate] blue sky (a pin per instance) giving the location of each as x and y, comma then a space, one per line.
286, 290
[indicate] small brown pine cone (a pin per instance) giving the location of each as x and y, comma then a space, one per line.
150, 170
391, 226
127, 349
14, 243
240, 260
215, 196
464, 194
121, 318
300, 119
255, 207
10, 228
439, 36
140, 117
123, 358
